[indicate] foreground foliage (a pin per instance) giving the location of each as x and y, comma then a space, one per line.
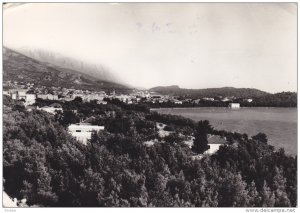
45, 165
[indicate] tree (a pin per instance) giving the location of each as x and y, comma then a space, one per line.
233, 191
66, 118
261, 137
267, 196
201, 143
77, 100
281, 198
254, 199
173, 138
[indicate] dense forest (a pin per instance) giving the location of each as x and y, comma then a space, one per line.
43, 163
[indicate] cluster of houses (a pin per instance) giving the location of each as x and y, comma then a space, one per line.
29, 93
21, 94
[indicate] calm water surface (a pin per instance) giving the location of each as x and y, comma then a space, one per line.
279, 124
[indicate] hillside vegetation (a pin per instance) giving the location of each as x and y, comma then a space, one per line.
45, 165
210, 92
18, 67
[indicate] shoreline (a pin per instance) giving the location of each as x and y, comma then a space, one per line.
159, 108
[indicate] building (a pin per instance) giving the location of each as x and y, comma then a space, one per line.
234, 105
17, 94
101, 102
123, 98
83, 131
53, 108
226, 99
14, 96
177, 102
214, 142
208, 99
48, 97
22, 93
249, 100
29, 99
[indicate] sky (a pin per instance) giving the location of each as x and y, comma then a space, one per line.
192, 45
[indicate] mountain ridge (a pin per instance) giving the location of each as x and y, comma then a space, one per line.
19, 67
56, 59
209, 92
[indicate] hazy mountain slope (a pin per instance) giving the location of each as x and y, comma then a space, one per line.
18, 67
56, 59
210, 92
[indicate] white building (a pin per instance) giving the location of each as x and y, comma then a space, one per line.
214, 142
22, 93
234, 105
101, 102
123, 98
249, 100
17, 94
30, 99
14, 96
50, 109
48, 97
177, 102
83, 131
226, 99
209, 99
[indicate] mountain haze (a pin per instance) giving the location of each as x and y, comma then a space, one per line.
56, 59
18, 67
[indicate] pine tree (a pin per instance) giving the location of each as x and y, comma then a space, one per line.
267, 196
253, 195
281, 198
201, 143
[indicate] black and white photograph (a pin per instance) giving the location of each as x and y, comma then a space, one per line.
140, 104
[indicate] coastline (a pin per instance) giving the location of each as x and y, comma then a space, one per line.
249, 120
158, 108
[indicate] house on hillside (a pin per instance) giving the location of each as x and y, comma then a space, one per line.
83, 131
214, 142
249, 100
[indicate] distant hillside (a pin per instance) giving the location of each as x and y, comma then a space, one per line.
21, 68
210, 92
282, 99
56, 59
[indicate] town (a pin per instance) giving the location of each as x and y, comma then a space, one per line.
28, 92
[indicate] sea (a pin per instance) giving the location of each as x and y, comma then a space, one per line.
279, 124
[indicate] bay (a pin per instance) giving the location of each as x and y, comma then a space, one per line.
279, 124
